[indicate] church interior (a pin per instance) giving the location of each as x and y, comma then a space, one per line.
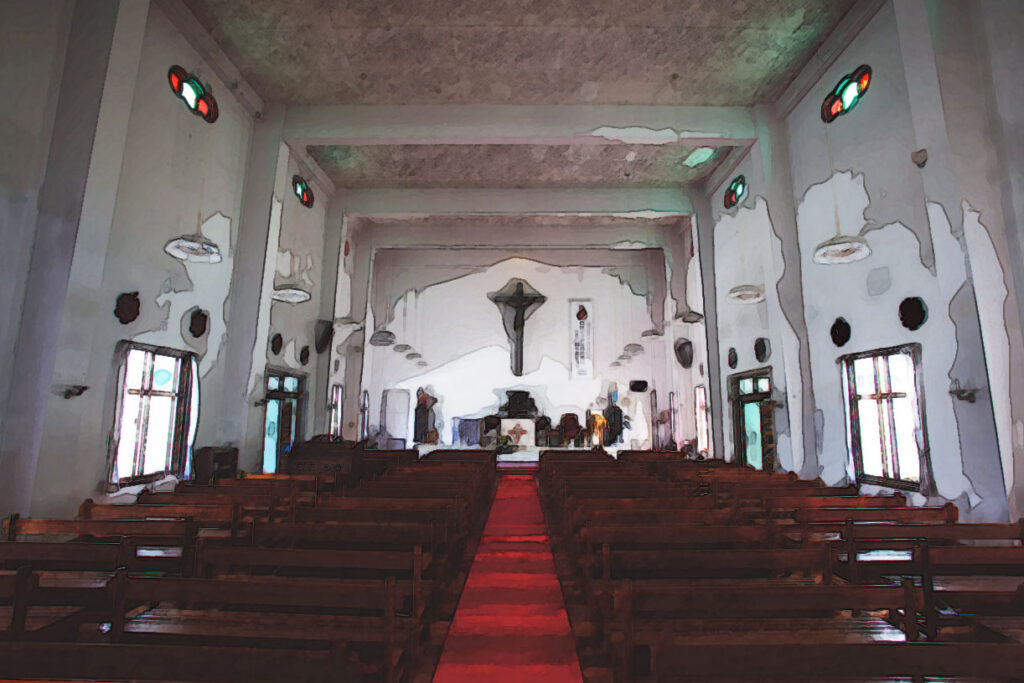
507, 340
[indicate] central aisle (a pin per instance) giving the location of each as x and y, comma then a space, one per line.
511, 624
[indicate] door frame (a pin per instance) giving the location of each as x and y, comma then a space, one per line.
300, 397
736, 402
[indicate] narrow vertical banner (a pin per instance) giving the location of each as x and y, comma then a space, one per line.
581, 317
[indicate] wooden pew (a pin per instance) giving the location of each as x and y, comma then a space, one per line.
172, 532
186, 663
206, 516
411, 567
647, 612
33, 607
808, 660
71, 556
273, 611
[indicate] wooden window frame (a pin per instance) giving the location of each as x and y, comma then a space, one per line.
852, 417
179, 441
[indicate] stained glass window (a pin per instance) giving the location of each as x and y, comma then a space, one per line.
303, 191
847, 93
736, 192
194, 94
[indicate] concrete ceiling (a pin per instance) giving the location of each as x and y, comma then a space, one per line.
511, 166
674, 52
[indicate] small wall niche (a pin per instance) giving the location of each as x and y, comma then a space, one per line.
198, 323
840, 332
762, 349
913, 313
127, 307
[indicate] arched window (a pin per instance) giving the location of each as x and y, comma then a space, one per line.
303, 191
736, 192
846, 94
196, 96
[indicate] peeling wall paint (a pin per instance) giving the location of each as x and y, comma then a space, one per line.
458, 331
988, 277
832, 291
745, 255
639, 135
175, 168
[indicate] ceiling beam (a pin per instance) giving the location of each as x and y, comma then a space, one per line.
626, 202
211, 52
849, 27
516, 124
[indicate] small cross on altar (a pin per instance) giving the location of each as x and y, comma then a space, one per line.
517, 433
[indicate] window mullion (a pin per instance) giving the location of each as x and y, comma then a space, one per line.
140, 433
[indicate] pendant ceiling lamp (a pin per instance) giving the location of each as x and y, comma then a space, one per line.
841, 248
745, 294
196, 248
382, 338
291, 295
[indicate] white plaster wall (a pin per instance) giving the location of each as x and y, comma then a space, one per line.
176, 168
856, 171
460, 334
875, 322
745, 255
32, 37
298, 262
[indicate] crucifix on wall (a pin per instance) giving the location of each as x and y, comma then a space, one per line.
517, 300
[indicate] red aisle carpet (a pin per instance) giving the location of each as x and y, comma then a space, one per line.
511, 624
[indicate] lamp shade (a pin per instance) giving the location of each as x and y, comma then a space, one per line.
291, 295
382, 338
194, 249
842, 249
746, 294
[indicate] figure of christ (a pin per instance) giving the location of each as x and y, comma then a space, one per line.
516, 303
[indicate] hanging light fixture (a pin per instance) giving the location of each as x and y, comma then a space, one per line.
841, 248
382, 338
745, 294
196, 248
291, 295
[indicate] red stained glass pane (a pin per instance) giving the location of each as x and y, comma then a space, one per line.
837, 106
202, 107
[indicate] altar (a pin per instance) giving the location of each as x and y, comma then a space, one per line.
518, 419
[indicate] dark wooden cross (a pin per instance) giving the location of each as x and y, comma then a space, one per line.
519, 301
